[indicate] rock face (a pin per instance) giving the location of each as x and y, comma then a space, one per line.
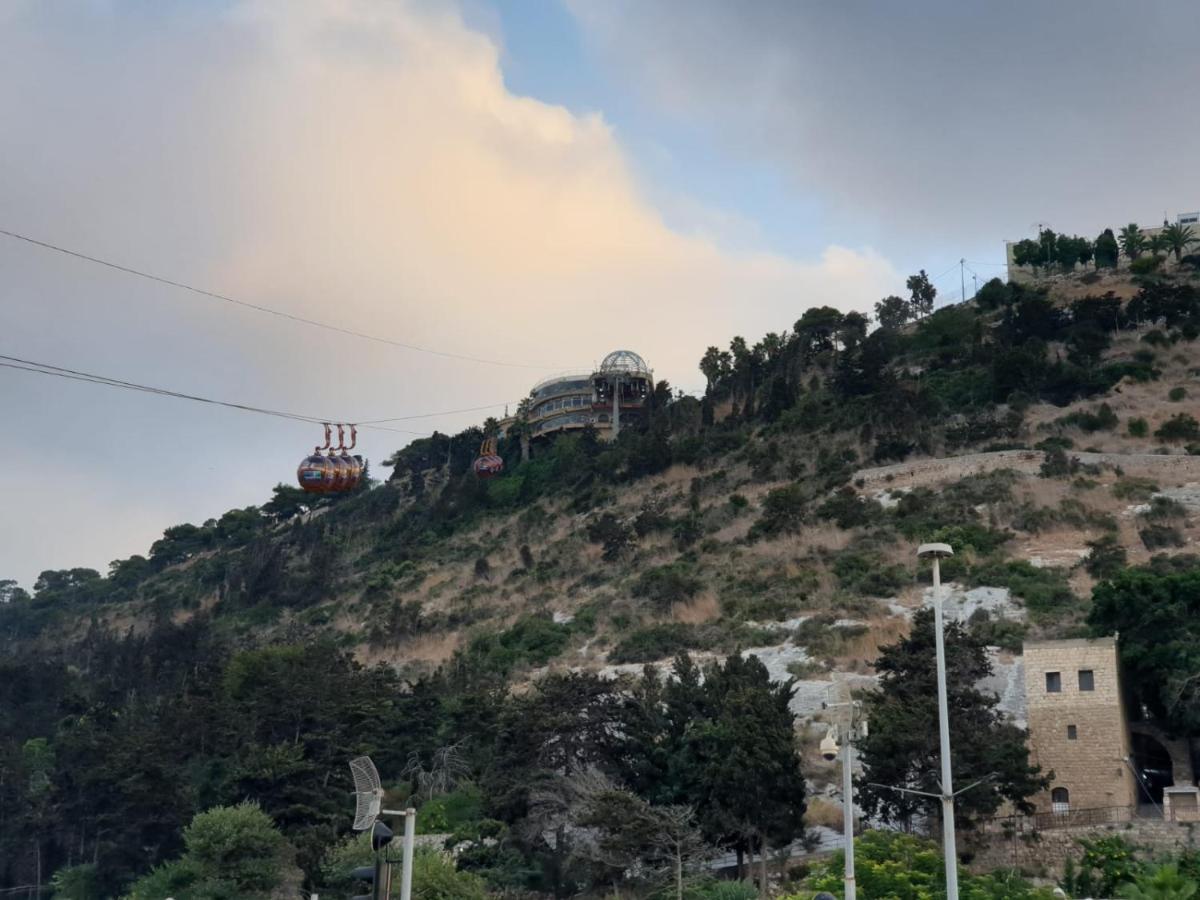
959, 604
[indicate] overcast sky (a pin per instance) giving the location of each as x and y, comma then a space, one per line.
534, 182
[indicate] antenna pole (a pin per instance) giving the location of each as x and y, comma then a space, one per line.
410, 830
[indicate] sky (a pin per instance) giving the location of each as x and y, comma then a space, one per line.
528, 182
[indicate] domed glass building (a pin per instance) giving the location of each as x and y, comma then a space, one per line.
610, 397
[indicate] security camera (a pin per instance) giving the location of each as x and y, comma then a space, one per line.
829, 745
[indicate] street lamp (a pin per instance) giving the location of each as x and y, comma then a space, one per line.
829, 750
937, 552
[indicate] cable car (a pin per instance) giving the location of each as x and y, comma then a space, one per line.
332, 470
489, 464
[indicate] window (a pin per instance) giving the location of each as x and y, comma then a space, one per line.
1060, 800
1087, 680
1053, 682
1072, 733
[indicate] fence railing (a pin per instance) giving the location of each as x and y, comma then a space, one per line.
1072, 818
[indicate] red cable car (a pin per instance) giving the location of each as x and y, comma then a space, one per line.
335, 471
489, 464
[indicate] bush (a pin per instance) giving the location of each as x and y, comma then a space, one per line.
783, 511
1176, 394
434, 875
1155, 537
656, 642
1180, 427
905, 867
865, 574
1107, 557
532, 640
614, 535
1133, 488
1138, 428
668, 584
1144, 265
1045, 591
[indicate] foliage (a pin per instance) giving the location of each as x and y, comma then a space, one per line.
1163, 882
434, 875
231, 852
1158, 617
890, 864
1106, 864
902, 745
666, 585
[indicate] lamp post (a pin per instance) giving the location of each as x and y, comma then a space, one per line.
829, 749
937, 552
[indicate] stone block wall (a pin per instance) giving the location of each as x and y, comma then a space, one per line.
1080, 735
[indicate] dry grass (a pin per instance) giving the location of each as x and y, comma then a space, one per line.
703, 608
824, 812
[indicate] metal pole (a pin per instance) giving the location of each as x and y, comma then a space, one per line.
851, 888
616, 429
948, 843
962, 278
410, 830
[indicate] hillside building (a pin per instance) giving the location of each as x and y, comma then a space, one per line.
1080, 728
613, 395
1025, 274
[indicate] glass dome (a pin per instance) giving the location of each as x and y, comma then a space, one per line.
624, 362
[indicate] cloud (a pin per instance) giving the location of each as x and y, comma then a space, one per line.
355, 162
936, 122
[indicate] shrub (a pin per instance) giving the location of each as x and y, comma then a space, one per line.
532, 640
783, 511
1144, 265
656, 642
615, 536
1004, 633
848, 510
1155, 537
1134, 488
1044, 591
1107, 557
1138, 428
865, 574
664, 585
1180, 427
1176, 394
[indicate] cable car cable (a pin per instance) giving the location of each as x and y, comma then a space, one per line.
129, 270
26, 365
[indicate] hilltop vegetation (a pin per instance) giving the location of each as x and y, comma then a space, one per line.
252, 655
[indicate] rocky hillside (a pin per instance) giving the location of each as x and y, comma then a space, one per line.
1049, 436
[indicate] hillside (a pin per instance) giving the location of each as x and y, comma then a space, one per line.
1048, 436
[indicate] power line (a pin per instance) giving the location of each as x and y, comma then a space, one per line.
26, 365
213, 295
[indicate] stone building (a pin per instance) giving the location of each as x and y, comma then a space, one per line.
1077, 724
1080, 729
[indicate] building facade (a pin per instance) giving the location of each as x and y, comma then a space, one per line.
1077, 724
1025, 274
613, 395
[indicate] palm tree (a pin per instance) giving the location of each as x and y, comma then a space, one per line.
1133, 241
1156, 243
1177, 238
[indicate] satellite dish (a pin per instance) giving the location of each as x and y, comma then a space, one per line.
368, 792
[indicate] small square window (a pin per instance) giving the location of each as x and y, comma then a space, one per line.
1087, 680
1072, 733
1053, 682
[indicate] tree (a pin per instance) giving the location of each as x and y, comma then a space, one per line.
1106, 250
902, 749
1028, 253
1158, 617
1178, 238
1163, 882
921, 294
1132, 240
730, 754
892, 312
11, 592
231, 851
817, 330
715, 365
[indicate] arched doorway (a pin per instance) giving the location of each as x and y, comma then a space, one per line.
1152, 762
1060, 800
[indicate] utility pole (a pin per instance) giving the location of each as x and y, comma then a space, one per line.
616, 417
829, 747
406, 873
962, 279
975, 290
937, 552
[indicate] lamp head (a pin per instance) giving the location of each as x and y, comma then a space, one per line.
934, 551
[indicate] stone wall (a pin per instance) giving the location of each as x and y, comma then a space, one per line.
1081, 736
1046, 852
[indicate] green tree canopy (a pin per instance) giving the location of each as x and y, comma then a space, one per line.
902, 749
